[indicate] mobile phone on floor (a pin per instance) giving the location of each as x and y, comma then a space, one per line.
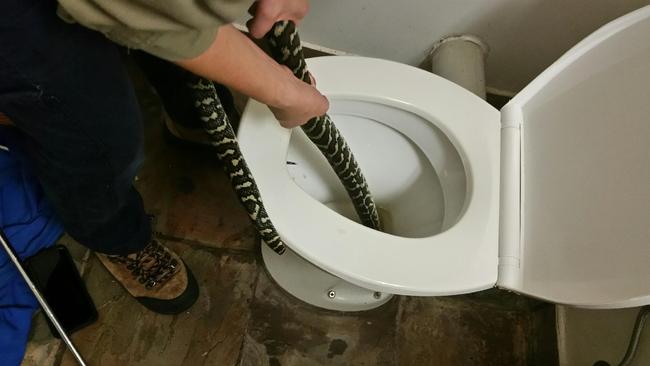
55, 275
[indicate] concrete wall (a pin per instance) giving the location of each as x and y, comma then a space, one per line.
525, 36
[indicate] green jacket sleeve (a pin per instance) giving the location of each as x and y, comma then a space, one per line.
170, 29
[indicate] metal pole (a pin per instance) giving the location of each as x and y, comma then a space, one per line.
5, 244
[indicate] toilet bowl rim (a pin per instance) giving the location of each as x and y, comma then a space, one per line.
479, 225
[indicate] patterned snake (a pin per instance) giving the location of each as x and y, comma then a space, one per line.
286, 50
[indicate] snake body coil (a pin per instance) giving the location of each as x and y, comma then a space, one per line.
223, 138
320, 130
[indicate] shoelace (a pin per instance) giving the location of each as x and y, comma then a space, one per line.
151, 266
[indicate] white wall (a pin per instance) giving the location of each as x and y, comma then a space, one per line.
525, 36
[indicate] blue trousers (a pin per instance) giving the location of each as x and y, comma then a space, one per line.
67, 91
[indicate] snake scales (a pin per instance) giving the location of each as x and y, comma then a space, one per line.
286, 50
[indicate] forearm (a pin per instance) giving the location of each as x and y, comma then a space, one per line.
235, 61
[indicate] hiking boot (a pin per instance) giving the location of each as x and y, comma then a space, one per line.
178, 133
180, 115
185, 127
4, 120
156, 277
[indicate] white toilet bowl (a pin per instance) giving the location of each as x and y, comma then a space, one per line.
452, 176
439, 202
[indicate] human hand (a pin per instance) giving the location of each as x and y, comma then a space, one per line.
299, 102
267, 12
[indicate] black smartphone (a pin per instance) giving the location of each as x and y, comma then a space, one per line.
55, 275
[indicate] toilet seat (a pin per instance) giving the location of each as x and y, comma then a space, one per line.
434, 261
503, 237
575, 207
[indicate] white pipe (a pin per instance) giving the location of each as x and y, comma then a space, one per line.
461, 59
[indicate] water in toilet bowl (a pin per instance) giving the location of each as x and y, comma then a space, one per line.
416, 175
346, 208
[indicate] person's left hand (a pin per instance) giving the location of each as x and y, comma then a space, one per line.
267, 12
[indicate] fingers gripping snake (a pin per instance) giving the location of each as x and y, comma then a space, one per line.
286, 50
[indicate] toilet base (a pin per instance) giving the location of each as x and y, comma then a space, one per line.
316, 287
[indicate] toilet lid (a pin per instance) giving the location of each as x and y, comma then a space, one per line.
578, 231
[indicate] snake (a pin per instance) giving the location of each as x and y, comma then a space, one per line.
286, 49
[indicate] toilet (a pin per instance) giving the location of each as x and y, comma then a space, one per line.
549, 197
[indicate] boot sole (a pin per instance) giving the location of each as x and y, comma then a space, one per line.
176, 305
